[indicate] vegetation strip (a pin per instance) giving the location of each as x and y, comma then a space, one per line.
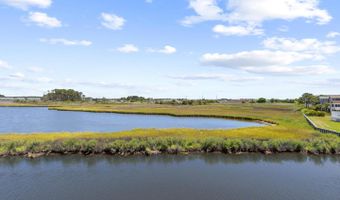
149, 146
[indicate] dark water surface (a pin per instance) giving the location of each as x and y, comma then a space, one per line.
29, 120
198, 177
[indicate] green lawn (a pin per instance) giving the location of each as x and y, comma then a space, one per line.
326, 123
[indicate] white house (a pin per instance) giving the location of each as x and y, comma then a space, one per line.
335, 107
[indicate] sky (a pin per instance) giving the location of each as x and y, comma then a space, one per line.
170, 48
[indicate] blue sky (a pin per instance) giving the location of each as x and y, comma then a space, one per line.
162, 48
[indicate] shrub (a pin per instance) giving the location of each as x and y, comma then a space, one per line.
310, 112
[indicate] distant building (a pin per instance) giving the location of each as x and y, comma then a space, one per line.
20, 98
334, 105
324, 99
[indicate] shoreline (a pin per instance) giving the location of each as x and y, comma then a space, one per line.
239, 118
170, 145
230, 117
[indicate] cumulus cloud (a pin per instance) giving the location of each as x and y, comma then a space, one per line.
66, 42
267, 62
333, 34
128, 48
205, 10
254, 58
262, 10
215, 76
43, 20
242, 14
112, 21
282, 56
307, 45
237, 30
4, 65
167, 49
291, 70
26, 4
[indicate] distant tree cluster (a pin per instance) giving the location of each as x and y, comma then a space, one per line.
63, 95
133, 99
186, 101
1, 95
282, 100
261, 100
313, 106
309, 100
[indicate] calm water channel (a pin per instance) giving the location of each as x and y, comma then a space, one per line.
198, 177
28, 120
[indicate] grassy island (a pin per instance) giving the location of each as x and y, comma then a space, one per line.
287, 131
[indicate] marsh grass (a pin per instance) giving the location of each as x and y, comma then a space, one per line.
173, 145
289, 132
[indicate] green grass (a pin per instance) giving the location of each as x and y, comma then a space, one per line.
326, 123
288, 127
290, 123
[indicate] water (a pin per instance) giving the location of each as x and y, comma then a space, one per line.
29, 120
213, 176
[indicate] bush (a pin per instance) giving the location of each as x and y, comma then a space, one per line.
310, 112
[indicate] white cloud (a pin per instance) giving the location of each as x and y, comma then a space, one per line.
307, 45
128, 48
280, 57
17, 75
26, 4
237, 30
4, 65
291, 70
167, 49
242, 14
254, 58
206, 10
221, 77
262, 10
333, 34
43, 20
112, 21
66, 42
148, 1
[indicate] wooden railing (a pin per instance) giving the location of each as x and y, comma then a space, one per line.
320, 129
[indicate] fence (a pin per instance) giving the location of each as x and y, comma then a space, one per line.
320, 129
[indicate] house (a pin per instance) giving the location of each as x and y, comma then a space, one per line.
334, 105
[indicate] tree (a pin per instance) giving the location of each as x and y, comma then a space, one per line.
63, 95
308, 100
1, 95
261, 100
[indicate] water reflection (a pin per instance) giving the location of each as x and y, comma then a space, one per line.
167, 177
210, 159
